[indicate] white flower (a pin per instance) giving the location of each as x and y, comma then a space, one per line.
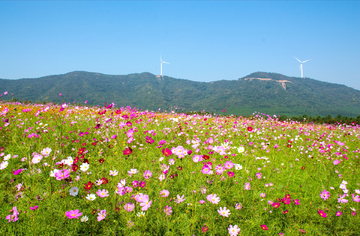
342, 186
238, 167
91, 197
122, 183
7, 157
357, 191
353, 209
241, 149
140, 214
84, 219
46, 151
74, 191
98, 182
69, 161
114, 172
3, 165
161, 159
84, 167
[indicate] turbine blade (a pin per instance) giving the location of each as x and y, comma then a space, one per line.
306, 61
297, 59
166, 62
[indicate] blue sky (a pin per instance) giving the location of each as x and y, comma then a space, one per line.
203, 40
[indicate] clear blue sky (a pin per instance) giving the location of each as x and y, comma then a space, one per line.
203, 40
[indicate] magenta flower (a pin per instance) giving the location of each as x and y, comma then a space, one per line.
230, 174
202, 201
16, 172
114, 136
264, 227
102, 193
101, 215
338, 213
62, 174
325, 195
258, 175
34, 208
296, 201
73, 214
129, 206
322, 213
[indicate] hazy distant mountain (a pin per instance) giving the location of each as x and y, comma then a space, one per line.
270, 93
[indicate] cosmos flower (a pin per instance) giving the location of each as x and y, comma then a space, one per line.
325, 195
224, 212
74, 191
73, 214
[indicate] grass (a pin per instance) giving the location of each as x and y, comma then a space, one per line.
279, 159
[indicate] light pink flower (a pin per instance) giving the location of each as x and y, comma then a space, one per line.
101, 215
102, 193
129, 206
164, 193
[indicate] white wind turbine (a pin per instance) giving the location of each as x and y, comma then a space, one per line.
301, 66
161, 62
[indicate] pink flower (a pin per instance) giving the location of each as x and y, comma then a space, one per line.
258, 175
14, 216
228, 165
238, 206
338, 213
60, 94
102, 193
147, 174
213, 198
233, 230
296, 201
62, 174
101, 215
164, 193
145, 204
355, 198
73, 214
325, 195
336, 162
141, 197
247, 186
180, 199
167, 210
264, 227
342, 199
129, 206
202, 201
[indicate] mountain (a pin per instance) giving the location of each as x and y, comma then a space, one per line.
269, 93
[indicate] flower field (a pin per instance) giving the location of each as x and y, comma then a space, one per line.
78, 170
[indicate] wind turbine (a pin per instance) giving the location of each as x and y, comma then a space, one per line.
301, 66
161, 62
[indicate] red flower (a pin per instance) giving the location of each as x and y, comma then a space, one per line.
204, 229
94, 143
302, 231
74, 167
287, 196
60, 166
86, 161
88, 185
118, 112
206, 157
264, 227
105, 180
101, 161
179, 168
76, 160
167, 152
224, 110
250, 128
81, 150
285, 212
127, 151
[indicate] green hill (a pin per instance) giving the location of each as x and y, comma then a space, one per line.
270, 93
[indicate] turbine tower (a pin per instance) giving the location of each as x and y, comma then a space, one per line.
161, 62
301, 66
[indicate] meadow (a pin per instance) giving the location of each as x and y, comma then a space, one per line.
80, 170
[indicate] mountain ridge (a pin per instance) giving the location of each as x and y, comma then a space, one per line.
242, 96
